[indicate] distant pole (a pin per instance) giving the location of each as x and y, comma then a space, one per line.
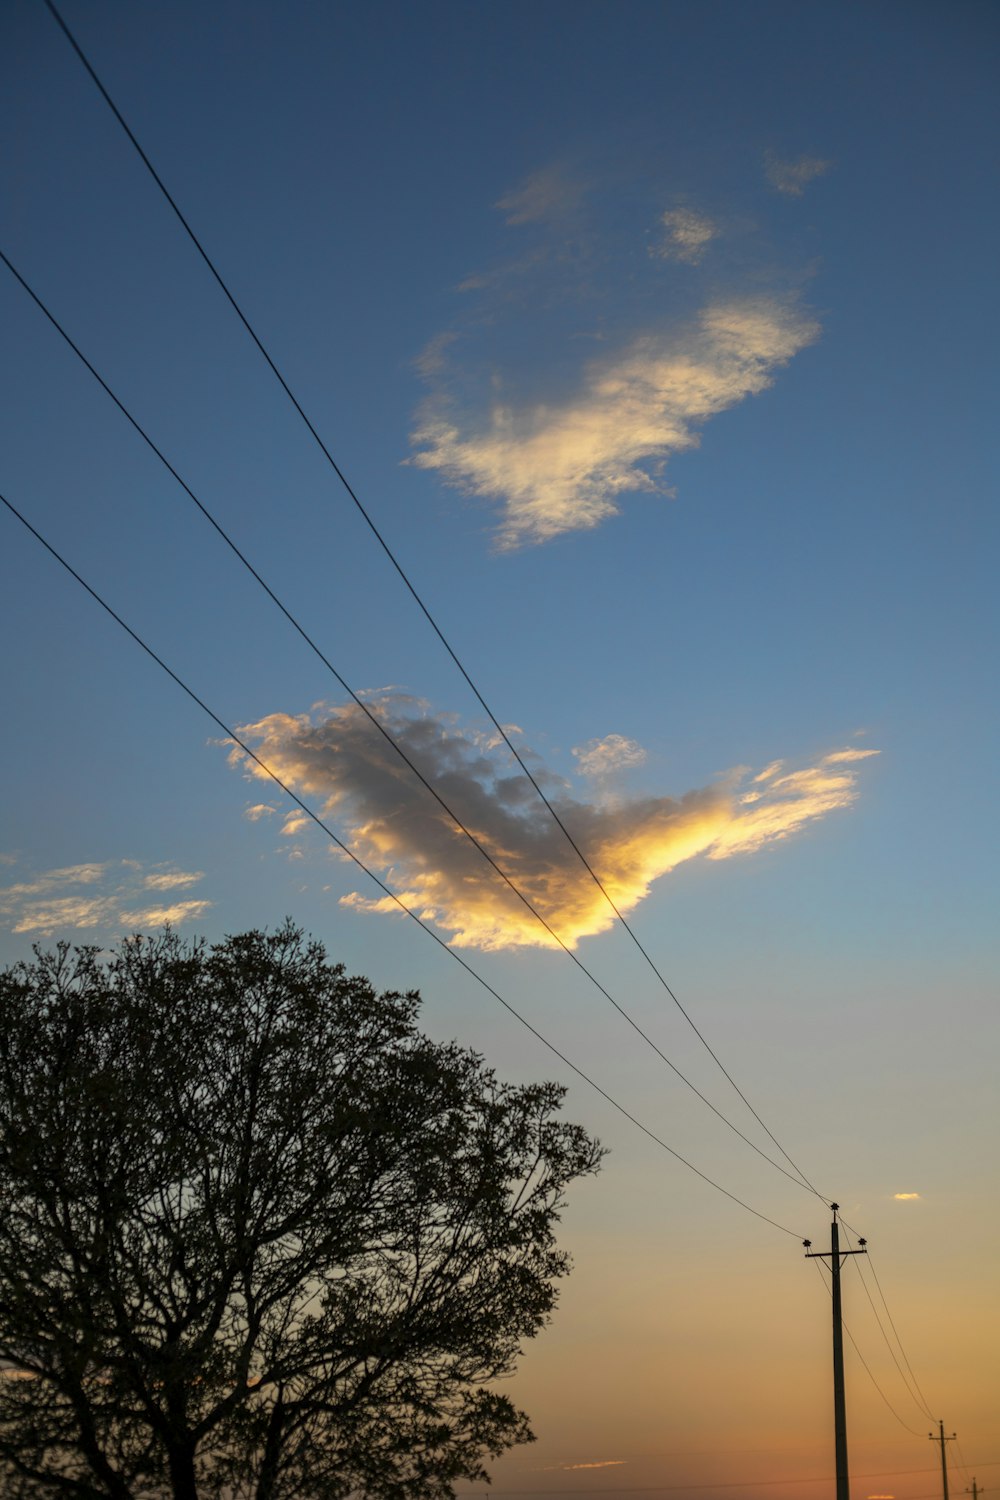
975, 1491
939, 1437
836, 1255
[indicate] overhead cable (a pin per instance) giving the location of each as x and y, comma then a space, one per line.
376, 533
383, 731
921, 1405
824, 1273
923, 1402
232, 735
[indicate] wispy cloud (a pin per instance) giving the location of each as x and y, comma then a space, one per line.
258, 810
792, 175
604, 757
906, 1197
341, 762
686, 236
601, 1463
171, 880
547, 194
562, 467
93, 897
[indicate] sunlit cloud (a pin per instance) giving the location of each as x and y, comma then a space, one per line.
157, 916
171, 880
792, 175
98, 897
258, 810
841, 756
342, 764
601, 1463
906, 1197
686, 236
562, 466
604, 757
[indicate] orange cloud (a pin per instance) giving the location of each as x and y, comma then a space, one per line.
343, 764
603, 1463
561, 466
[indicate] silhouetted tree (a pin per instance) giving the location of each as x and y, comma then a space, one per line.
259, 1237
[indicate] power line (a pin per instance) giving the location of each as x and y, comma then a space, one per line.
409, 585
822, 1269
315, 818
377, 723
925, 1407
921, 1407
723, 1484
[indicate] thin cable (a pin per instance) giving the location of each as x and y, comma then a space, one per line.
823, 1272
966, 1468
921, 1407
871, 1266
315, 818
377, 723
409, 586
724, 1484
728, 1484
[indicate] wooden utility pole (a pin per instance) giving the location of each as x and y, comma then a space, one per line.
975, 1492
836, 1255
939, 1437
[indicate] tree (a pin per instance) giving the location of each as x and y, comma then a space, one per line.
259, 1237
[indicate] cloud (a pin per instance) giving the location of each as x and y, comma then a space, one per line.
258, 810
172, 880
94, 897
906, 1197
344, 766
791, 176
840, 756
561, 467
602, 1463
547, 194
687, 235
604, 757
157, 916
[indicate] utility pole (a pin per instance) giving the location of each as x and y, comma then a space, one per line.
939, 1437
836, 1255
975, 1492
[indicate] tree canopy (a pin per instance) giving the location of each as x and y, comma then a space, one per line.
259, 1236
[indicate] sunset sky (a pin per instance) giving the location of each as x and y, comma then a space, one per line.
658, 341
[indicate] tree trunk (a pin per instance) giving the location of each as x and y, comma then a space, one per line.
182, 1476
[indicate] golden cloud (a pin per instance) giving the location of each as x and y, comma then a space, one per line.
906, 1197
562, 466
601, 1463
339, 760
97, 897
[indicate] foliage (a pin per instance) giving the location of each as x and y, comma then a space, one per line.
259, 1237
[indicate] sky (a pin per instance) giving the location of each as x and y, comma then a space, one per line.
658, 343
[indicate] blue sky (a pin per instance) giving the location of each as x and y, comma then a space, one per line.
658, 340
